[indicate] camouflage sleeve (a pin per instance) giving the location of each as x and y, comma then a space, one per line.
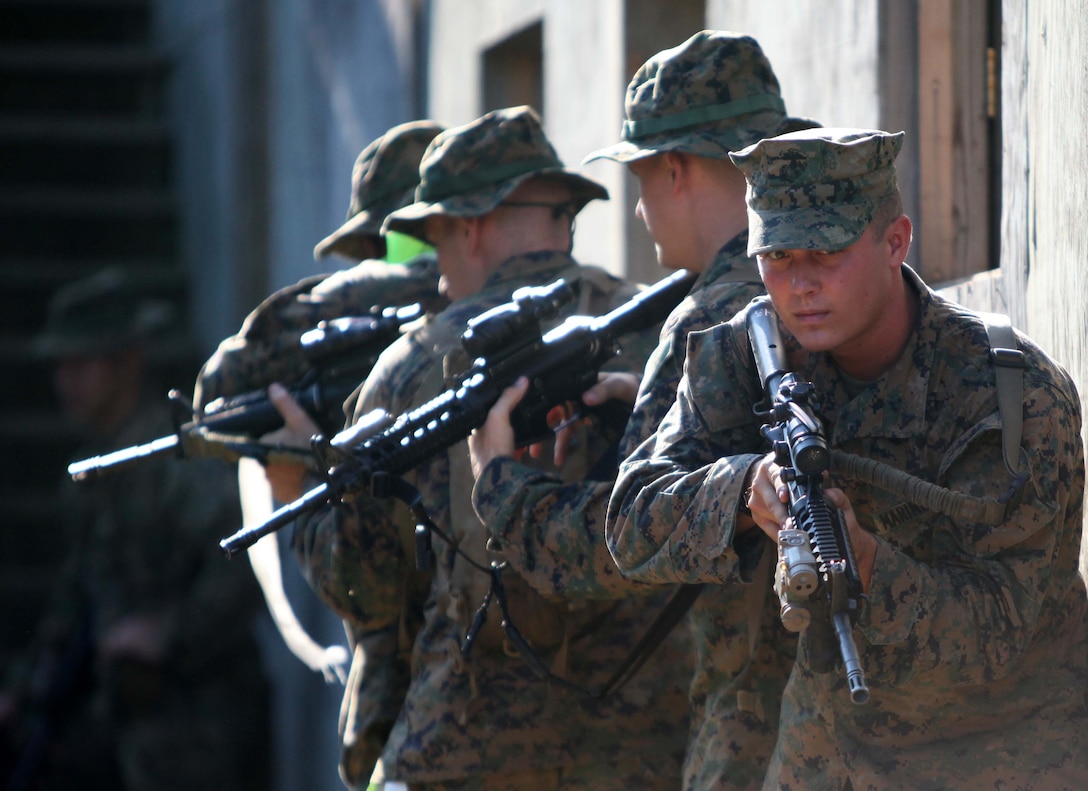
704, 308
551, 531
548, 530
968, 615
672, 513
656, 393
352, 558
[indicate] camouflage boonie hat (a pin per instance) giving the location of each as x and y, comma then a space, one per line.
100, 314
713, 94
469, 170
384, 179
816, 189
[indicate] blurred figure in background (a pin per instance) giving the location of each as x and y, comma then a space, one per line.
146, 610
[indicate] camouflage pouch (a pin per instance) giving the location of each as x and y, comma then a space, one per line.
540, 621
545, 622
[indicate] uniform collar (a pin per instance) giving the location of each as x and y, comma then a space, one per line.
894, 405
733, 255
535, 266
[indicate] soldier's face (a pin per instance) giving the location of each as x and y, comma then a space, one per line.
845, 301
88, 387
657, 209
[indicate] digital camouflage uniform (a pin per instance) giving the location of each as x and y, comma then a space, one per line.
974, 642
735, 687
267, 349
487, 717
144, 541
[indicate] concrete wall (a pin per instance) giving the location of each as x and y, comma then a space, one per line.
840, 62
591, 51
202, 41
341, 74
823, 51
271, 103
584, 80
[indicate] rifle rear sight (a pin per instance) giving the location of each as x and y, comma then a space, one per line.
515, 323
798, 437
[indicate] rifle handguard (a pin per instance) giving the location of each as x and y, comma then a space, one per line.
817, 573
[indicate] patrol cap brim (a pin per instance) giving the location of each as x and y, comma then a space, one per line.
625, 152
824, 228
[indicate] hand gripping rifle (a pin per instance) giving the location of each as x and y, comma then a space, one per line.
339, 354
506, 343
817, 580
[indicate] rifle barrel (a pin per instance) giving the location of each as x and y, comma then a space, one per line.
247, 537
92, 468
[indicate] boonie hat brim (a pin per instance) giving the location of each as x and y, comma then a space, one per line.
412, 218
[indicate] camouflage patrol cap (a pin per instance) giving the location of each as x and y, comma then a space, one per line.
713, 94
100, 314
816, 189
469, 170
384, 179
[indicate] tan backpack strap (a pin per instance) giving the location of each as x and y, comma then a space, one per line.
600, 282
1008, 362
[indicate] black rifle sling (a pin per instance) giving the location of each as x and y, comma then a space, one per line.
663, 624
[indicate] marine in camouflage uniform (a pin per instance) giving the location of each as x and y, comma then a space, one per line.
179, 683
485, 720
266, 349
974, 640
736, 687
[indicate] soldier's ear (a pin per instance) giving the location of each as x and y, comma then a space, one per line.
471, 231
678, 168
898, 238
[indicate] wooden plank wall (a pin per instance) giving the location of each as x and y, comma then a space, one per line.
1056, 232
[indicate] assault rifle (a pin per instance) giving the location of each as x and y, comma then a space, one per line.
817, 580
506, 343
339, 354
